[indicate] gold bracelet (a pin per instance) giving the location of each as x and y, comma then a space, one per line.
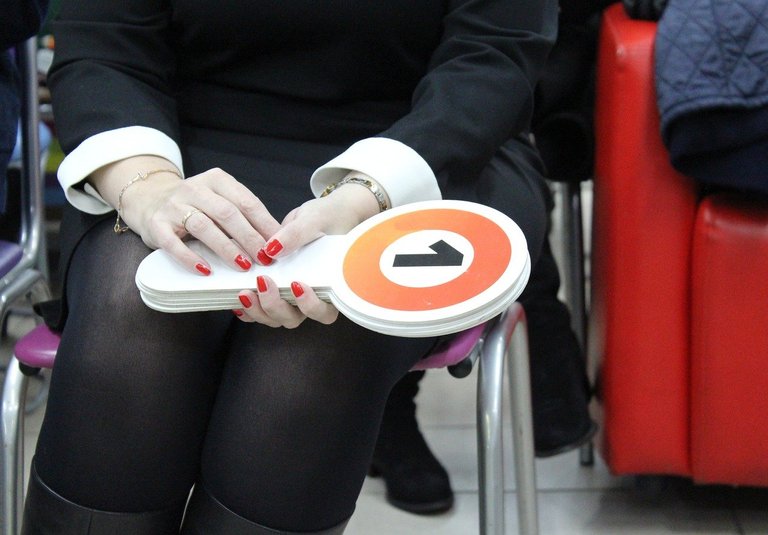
381, 197
118, 228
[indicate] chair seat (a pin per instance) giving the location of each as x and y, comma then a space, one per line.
10, 255
37, 348
453, 351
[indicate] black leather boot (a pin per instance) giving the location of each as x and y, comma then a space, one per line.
560, 389
207, 516
47, 513
416, 481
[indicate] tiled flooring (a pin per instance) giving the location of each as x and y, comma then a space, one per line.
573, 500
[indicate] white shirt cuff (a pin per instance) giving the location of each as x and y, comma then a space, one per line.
397, 168
105, 148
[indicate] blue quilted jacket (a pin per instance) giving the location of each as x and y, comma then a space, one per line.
711, 61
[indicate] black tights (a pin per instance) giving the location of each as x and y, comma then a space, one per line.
279, 424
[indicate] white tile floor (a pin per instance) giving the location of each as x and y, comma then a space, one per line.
573, 500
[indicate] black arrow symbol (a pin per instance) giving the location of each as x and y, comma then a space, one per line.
446, 256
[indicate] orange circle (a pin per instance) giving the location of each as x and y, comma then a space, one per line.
493, 253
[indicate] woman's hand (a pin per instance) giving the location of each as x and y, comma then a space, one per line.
213, 207
266, 306
337, 213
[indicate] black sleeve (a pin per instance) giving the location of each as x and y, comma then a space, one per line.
113, 67
21, 20
479, 89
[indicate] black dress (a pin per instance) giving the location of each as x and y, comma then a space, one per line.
268, 91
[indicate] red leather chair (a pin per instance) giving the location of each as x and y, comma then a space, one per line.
679, 298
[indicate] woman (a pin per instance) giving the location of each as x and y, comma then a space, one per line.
273, 427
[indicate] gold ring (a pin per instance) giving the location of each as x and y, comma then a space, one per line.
187, 216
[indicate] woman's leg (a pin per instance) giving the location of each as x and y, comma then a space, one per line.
131, 391
296, 419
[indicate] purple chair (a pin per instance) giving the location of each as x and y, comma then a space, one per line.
492, 344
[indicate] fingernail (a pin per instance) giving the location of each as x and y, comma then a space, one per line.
273, 247
297, 290
237, 312
202, 268
263, 258
245, 301
261, 284
243, 262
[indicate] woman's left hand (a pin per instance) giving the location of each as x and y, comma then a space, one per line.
337, 213
267, 307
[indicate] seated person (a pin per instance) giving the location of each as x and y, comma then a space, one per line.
270, 415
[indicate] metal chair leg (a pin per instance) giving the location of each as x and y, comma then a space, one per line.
14, 395
522, 426
508, 339
573, 245
489, 434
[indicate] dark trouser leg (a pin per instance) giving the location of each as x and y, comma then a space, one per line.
559, 385
415, 479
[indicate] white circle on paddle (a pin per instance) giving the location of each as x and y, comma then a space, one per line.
426, 258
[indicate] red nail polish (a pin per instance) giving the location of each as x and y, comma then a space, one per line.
237, 312
297, 290
243, 262
262, 257
245, 301
261, 284
202, 268
273, 247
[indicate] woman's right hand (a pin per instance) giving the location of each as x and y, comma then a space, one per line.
213, 207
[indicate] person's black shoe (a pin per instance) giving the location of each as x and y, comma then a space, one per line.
416, 481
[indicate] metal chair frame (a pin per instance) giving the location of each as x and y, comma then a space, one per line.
574, 279
29, 277
30, 273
